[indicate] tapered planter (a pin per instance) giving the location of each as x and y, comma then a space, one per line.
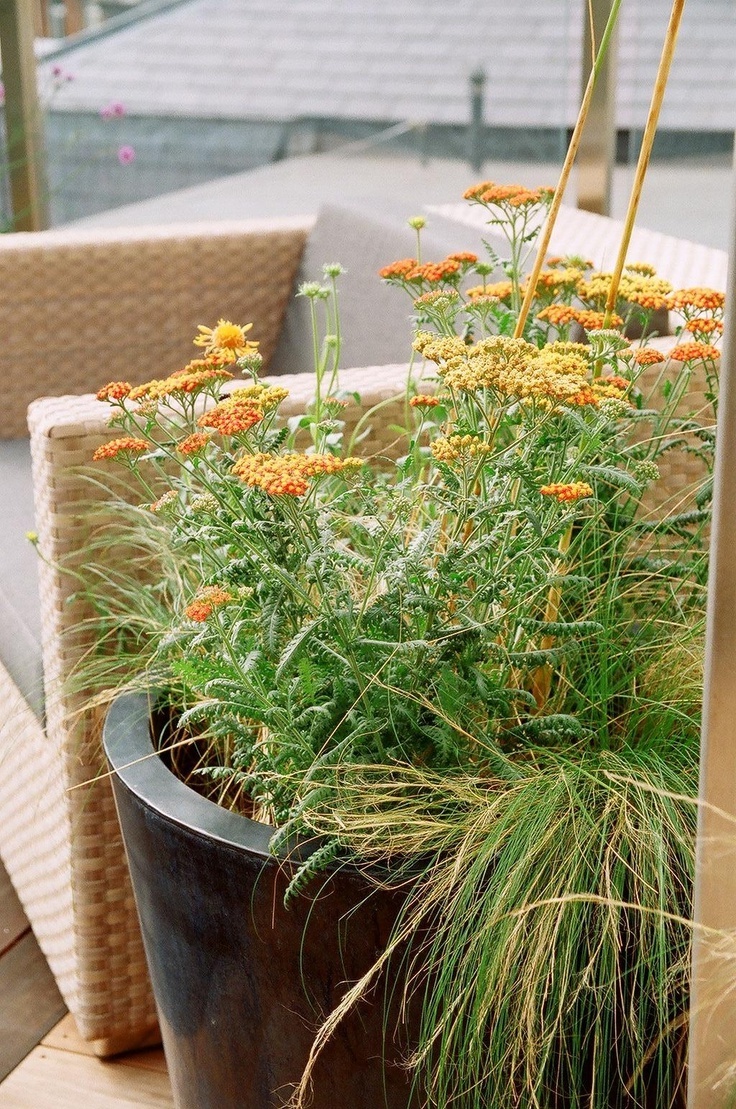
241, 984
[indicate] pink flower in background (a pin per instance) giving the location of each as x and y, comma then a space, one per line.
61, 74
116, 110
126, 155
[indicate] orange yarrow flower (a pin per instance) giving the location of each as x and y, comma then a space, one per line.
288, 474
423, 400
703, 325
530, 197
567, 491
231, 417
210, 598
514, 196
463, 256
594, 321
693, 352
138, 392
475, 192
398, 269
114, 390
126, 445
500, 290
586, 395
646, 356
189, 380
697, 297
559, 315
193, 444
433, 272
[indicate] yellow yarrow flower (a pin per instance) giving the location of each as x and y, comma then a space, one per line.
454, 447
635, 288
226, 336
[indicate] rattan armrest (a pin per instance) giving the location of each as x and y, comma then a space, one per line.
80, 307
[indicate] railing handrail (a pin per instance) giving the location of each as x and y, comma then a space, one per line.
137, 14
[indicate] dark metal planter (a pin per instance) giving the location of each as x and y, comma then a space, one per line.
241, 984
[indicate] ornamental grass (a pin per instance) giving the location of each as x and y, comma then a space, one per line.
472, 668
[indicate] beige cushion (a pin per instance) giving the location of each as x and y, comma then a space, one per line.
375, 318
20, 622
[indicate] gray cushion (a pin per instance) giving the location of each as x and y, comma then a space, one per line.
20, 620
375, 319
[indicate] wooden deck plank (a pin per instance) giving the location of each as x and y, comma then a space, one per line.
13, 921
65, 1037
53, 1078
30, 1002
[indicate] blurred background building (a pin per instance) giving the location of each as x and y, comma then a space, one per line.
146, 96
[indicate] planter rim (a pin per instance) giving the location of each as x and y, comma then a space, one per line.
134, 760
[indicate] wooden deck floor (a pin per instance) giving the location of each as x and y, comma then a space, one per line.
30, 1003
62, 1073
43, 1062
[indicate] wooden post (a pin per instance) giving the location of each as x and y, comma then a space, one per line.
713, 1009
74, 19
597, 153
23, 121
41, 19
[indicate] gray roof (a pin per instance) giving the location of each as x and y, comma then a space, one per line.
395, 59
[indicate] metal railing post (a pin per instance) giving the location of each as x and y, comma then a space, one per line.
597, 153
475, 136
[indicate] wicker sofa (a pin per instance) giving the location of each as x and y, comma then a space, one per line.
79, 309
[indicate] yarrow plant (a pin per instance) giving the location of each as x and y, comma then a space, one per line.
456, 664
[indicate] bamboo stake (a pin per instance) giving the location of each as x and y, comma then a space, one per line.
542, 677
665, 62
572, 150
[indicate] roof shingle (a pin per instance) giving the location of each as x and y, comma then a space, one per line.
388, 60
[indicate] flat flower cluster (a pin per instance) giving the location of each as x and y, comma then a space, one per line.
288, 474
570, 295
